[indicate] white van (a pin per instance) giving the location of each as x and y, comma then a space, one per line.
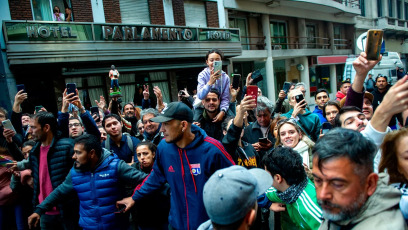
386, 67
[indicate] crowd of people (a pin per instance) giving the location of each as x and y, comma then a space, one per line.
211, 160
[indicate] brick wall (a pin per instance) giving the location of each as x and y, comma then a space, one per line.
211, 10
82, 10
20, 10
110, 6
156, 12
178, 12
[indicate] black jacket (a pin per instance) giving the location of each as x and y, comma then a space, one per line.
378, 98
59, 164
213, 129
252, 134
246, 155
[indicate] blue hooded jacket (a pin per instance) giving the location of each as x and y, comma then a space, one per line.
186, 171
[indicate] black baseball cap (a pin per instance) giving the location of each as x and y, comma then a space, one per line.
175, 110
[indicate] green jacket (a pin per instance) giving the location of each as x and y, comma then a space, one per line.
380, 211
305, 212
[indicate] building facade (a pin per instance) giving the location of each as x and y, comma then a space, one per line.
151, 42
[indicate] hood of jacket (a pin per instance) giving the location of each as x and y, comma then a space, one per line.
200, 134
384, 198
340, 95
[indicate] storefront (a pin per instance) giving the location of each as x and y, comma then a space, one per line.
46, 55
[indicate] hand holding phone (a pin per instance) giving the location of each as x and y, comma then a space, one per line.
326, 126
121, 209
71, 88
263, 140
7, 125
217, 67
20, 87
286, 87
373, 44
252, 90
236, 78
38, 108
95, 111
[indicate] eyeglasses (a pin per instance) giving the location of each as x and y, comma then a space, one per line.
74, 124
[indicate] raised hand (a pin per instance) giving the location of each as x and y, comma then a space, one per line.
146, 93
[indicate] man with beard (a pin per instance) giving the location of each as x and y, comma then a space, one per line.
151, 130
185, 159
394, 102
95, 169
350, 194
208, 121
122, 144
382, 87
131, 115
50, 161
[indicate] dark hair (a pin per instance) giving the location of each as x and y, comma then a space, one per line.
321, 90
389, 160
340, 142
286, 162
216, 91
380, 76
90, 142
344, 109
27, 114
133, 106
152, 147
75, 118
344, 82
44, 118
3, 110
109, 116
332, 103
28, 143
214, 50
224, 124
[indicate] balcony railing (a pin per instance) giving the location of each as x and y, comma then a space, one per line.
308, 43
254, 41
349, 3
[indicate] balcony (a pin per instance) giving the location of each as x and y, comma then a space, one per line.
392, 25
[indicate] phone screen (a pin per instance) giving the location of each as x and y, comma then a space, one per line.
299, 98
263, 140
71, 88
7, 124
218, 66
235, 81
20, 87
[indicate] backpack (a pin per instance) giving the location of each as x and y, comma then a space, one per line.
129, 142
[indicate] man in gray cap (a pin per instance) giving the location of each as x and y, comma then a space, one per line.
185, 159
230, 197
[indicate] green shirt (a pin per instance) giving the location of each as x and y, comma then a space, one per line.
304, 212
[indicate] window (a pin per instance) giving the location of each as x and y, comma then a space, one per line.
134, 11
406, 10
390, 8
399, 9
311, 36
379, 8
362, 7
241, 23
43, 9
195, 13
279, 35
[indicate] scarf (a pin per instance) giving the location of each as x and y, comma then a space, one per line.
291, 194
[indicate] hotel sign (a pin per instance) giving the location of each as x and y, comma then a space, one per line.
55, 31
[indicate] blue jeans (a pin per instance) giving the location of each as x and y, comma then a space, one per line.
114, 82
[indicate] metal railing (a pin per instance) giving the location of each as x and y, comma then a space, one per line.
259, 42
285, 42
349, 3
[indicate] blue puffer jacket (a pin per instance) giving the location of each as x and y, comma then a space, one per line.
186, 171
98, 192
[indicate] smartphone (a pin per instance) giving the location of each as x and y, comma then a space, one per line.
95, 110
7, 124
252, 90
182, 93
217, 66
236, 78
286, 87
121, 209
299, 98
326, 126
71, 88
373, 44
38, 108
256, 76
4, 161
21, 87
263, 140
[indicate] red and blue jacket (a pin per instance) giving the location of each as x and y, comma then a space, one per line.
186, 171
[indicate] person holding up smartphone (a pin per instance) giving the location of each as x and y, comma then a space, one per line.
209, 78
308, 121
